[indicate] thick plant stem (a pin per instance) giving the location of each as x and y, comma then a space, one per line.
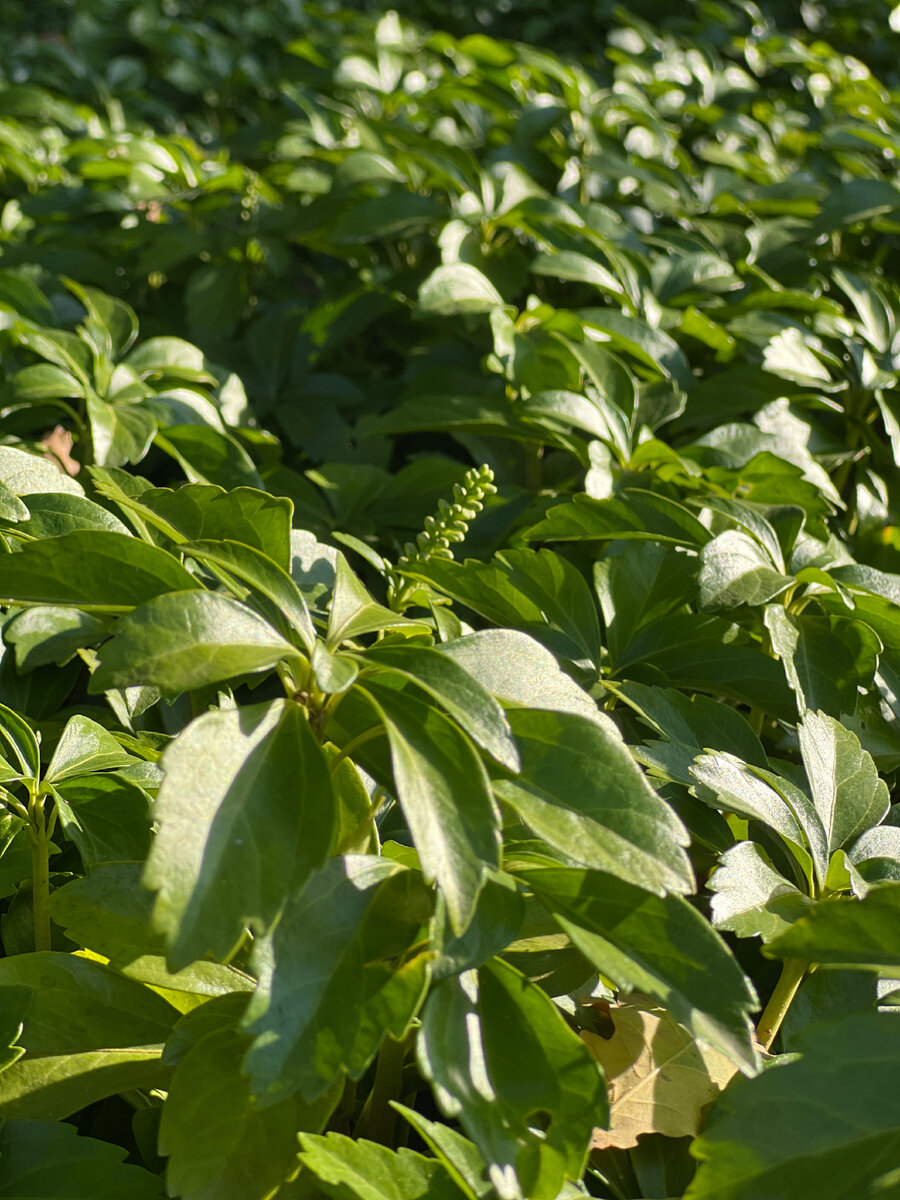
40, 879
378, 1120
793, 972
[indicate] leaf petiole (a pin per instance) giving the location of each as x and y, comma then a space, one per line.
793, 972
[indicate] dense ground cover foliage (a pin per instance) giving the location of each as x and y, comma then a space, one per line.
450, 668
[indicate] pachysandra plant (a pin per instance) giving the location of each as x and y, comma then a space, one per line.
449, 700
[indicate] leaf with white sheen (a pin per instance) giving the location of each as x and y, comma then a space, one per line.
458, 692
761, 795
247, 1150
846, 790
443, 789
245, 812
47, 1160
83, 748
457, 288
337, 975
501, 1060
750, 898
521, 672
185, 640
735, 570
826, 1125
88, 1033
345, 1168
658, 945
582, 792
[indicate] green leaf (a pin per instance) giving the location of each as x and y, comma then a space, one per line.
825, 659
208, 456
45, 1160
353, 611
254, 1149
85, 747
705, 652
760, 795
259, 572
346, 1168
120, 433
750, 897
245, 812
24, 474
88, 1033
106, 817
649, 346
637, 583
734, 570
843, 780
443, 788
458, 288
458, 692
659, 945
856, 200
581, 791
464, 1164
635, 514
502, 1061
11, 507
520, 672
844, 932
844, 1126
55, 513
324, 1004
16, 735
93, 570
205, 513
185, 640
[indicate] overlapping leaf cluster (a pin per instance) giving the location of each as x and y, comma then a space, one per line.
451, 602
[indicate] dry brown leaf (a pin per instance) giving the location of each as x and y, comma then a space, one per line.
58, 445
659, 1078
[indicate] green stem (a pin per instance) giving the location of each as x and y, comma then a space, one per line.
40, 876
793, 972
378, 1120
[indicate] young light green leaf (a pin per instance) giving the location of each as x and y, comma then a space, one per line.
457, 288
520, 672
259, 572
345, 1168
185, 640
324, 1004
83, 748
245, 812
353, 611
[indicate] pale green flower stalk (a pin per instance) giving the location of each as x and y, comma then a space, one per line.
450, 525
